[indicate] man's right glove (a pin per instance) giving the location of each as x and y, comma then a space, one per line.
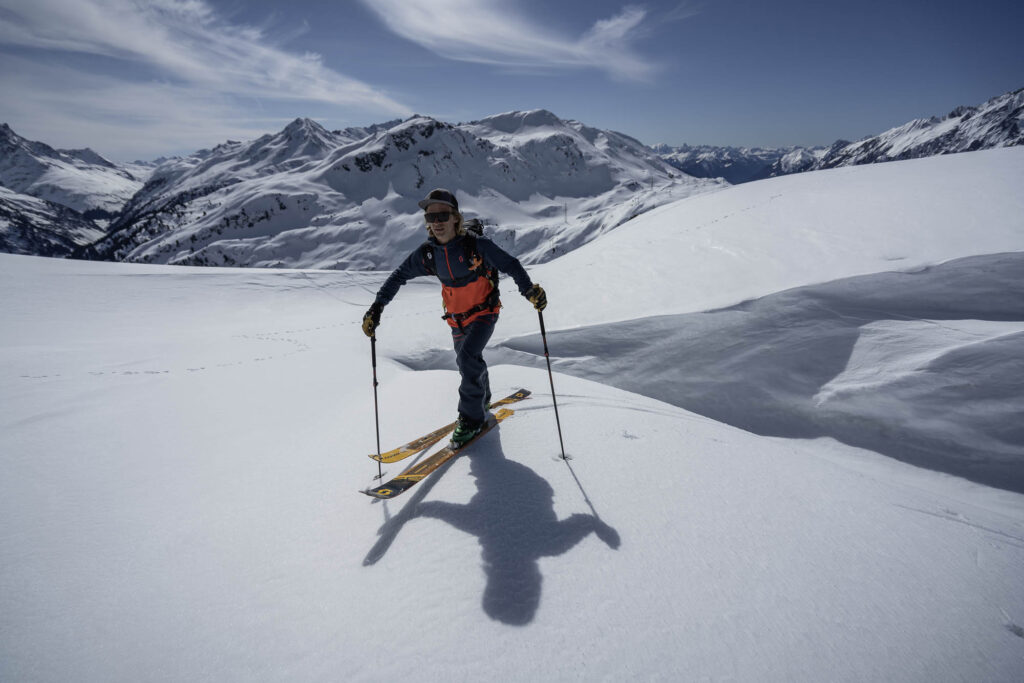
537, 297
372, 319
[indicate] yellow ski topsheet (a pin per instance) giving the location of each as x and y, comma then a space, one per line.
413, 474
428, 440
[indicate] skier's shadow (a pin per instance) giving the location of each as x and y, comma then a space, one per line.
513, 515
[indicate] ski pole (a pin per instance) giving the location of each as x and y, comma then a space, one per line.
376, 412
551, 377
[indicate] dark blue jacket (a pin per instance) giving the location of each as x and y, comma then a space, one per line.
452, 268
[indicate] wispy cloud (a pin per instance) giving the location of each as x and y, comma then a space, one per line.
492, 32
686, 9
153, 46
123, 120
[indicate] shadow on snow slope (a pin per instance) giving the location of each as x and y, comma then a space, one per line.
926, 367
512, 513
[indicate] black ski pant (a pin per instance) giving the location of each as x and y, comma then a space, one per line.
475, 389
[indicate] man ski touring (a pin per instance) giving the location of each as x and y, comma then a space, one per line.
467, 267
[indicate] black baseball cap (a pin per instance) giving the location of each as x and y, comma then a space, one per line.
440, 196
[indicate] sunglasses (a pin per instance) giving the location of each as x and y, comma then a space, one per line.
439, 217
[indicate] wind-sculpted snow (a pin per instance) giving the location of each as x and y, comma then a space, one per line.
180, 454
925, 367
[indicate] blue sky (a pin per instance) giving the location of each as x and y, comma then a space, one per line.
135, 79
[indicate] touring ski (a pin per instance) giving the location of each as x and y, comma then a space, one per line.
407, 479
428, 440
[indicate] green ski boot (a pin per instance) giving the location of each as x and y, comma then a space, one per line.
465, 430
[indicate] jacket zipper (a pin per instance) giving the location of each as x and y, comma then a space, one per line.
448, 263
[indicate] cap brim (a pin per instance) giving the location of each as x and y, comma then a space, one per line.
424, 203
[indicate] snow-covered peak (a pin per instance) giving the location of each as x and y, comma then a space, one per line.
81, 179
88, 156
300, 138
356, 133
308, 130
518, 121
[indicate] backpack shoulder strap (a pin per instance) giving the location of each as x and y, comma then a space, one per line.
469, 246
476, 264
427, 256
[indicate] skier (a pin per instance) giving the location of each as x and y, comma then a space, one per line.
467, 267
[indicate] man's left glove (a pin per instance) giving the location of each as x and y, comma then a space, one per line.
537, 297
372, 319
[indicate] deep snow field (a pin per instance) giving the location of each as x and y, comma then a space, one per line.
793, 408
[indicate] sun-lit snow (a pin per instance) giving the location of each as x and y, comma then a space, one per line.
181, 451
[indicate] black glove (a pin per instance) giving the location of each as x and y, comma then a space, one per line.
537, 297
372, 319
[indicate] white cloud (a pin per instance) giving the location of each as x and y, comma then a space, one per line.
187, 42
121, 120
490, 31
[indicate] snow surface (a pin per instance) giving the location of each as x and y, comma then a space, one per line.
181, 451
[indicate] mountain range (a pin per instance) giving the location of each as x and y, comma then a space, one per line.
308, 197
735, 164
999, 122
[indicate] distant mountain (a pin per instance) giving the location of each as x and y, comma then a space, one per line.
735, 164
80, 179
996, 123
309, 197
33, 226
